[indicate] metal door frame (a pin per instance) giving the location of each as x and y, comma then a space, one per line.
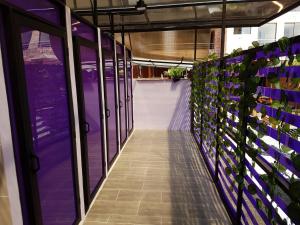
14, 19
78, 42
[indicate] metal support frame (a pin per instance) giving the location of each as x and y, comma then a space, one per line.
222, 50
120, 10
195, 44
111, 20
123, 36
95, 14
197, 23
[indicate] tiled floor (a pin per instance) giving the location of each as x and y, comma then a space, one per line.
160, 179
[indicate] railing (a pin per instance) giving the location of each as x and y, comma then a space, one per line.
246, 121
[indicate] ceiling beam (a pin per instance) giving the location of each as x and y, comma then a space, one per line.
182, 26
189, 22
126, 9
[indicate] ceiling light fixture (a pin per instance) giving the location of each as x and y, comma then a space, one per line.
141, 5
280, 6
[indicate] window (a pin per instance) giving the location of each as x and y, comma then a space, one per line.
267, 33
242, 30
291, 29
297, 29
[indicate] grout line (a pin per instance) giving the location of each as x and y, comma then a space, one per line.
117, 195
105, 180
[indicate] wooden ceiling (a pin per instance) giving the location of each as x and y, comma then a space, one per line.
167, 45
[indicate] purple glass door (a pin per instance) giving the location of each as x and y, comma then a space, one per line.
122, 95
49, 126
110, 97
129, 92
90, 117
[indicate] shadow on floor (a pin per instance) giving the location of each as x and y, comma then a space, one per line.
159, 179
193, 195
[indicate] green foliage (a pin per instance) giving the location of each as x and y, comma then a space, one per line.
296, 161
215, 84
228, 170
176, 72
293, 212
259, 203
252, 189
295, 190
283, 43
298, 57
255, 44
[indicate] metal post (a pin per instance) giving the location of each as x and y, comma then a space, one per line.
195, 44
216, 177
95, 14
111, 20
123, 36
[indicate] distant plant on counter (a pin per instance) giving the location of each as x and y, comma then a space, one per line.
176, 73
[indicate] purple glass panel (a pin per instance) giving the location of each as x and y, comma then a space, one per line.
90, 81
44, 9
12, 112
83, 30
120, 49
50, 121
122, 87
109, 74
129, 87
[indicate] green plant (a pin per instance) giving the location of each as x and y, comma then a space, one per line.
176, 72
213, 84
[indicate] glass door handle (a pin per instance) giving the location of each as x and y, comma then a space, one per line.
35, 163
107, 113
87, 127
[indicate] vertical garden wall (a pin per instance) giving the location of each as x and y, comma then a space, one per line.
246, 121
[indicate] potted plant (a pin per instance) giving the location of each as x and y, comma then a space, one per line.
176, 73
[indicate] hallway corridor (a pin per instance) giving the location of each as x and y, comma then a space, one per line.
159, 179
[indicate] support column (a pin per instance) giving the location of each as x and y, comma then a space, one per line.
216, 177
104, 121
75, 109
95, 13
195, 44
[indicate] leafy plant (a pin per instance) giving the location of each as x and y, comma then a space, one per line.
228, 99
176, 72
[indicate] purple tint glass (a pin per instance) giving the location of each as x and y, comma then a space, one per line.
47, 93
42, 8
90, 81
83, 30
122, 86
106, 42
12, 112
129, 87
120, 49
110, 80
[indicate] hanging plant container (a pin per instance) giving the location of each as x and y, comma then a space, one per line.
176, 73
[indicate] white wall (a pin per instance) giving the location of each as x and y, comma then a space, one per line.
234, 41
162, 105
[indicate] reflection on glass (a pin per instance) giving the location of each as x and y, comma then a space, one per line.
267, 33
291, 29
45, 9
122, 86
90, 81
51, 133
109, 75
129, 82
83, 30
